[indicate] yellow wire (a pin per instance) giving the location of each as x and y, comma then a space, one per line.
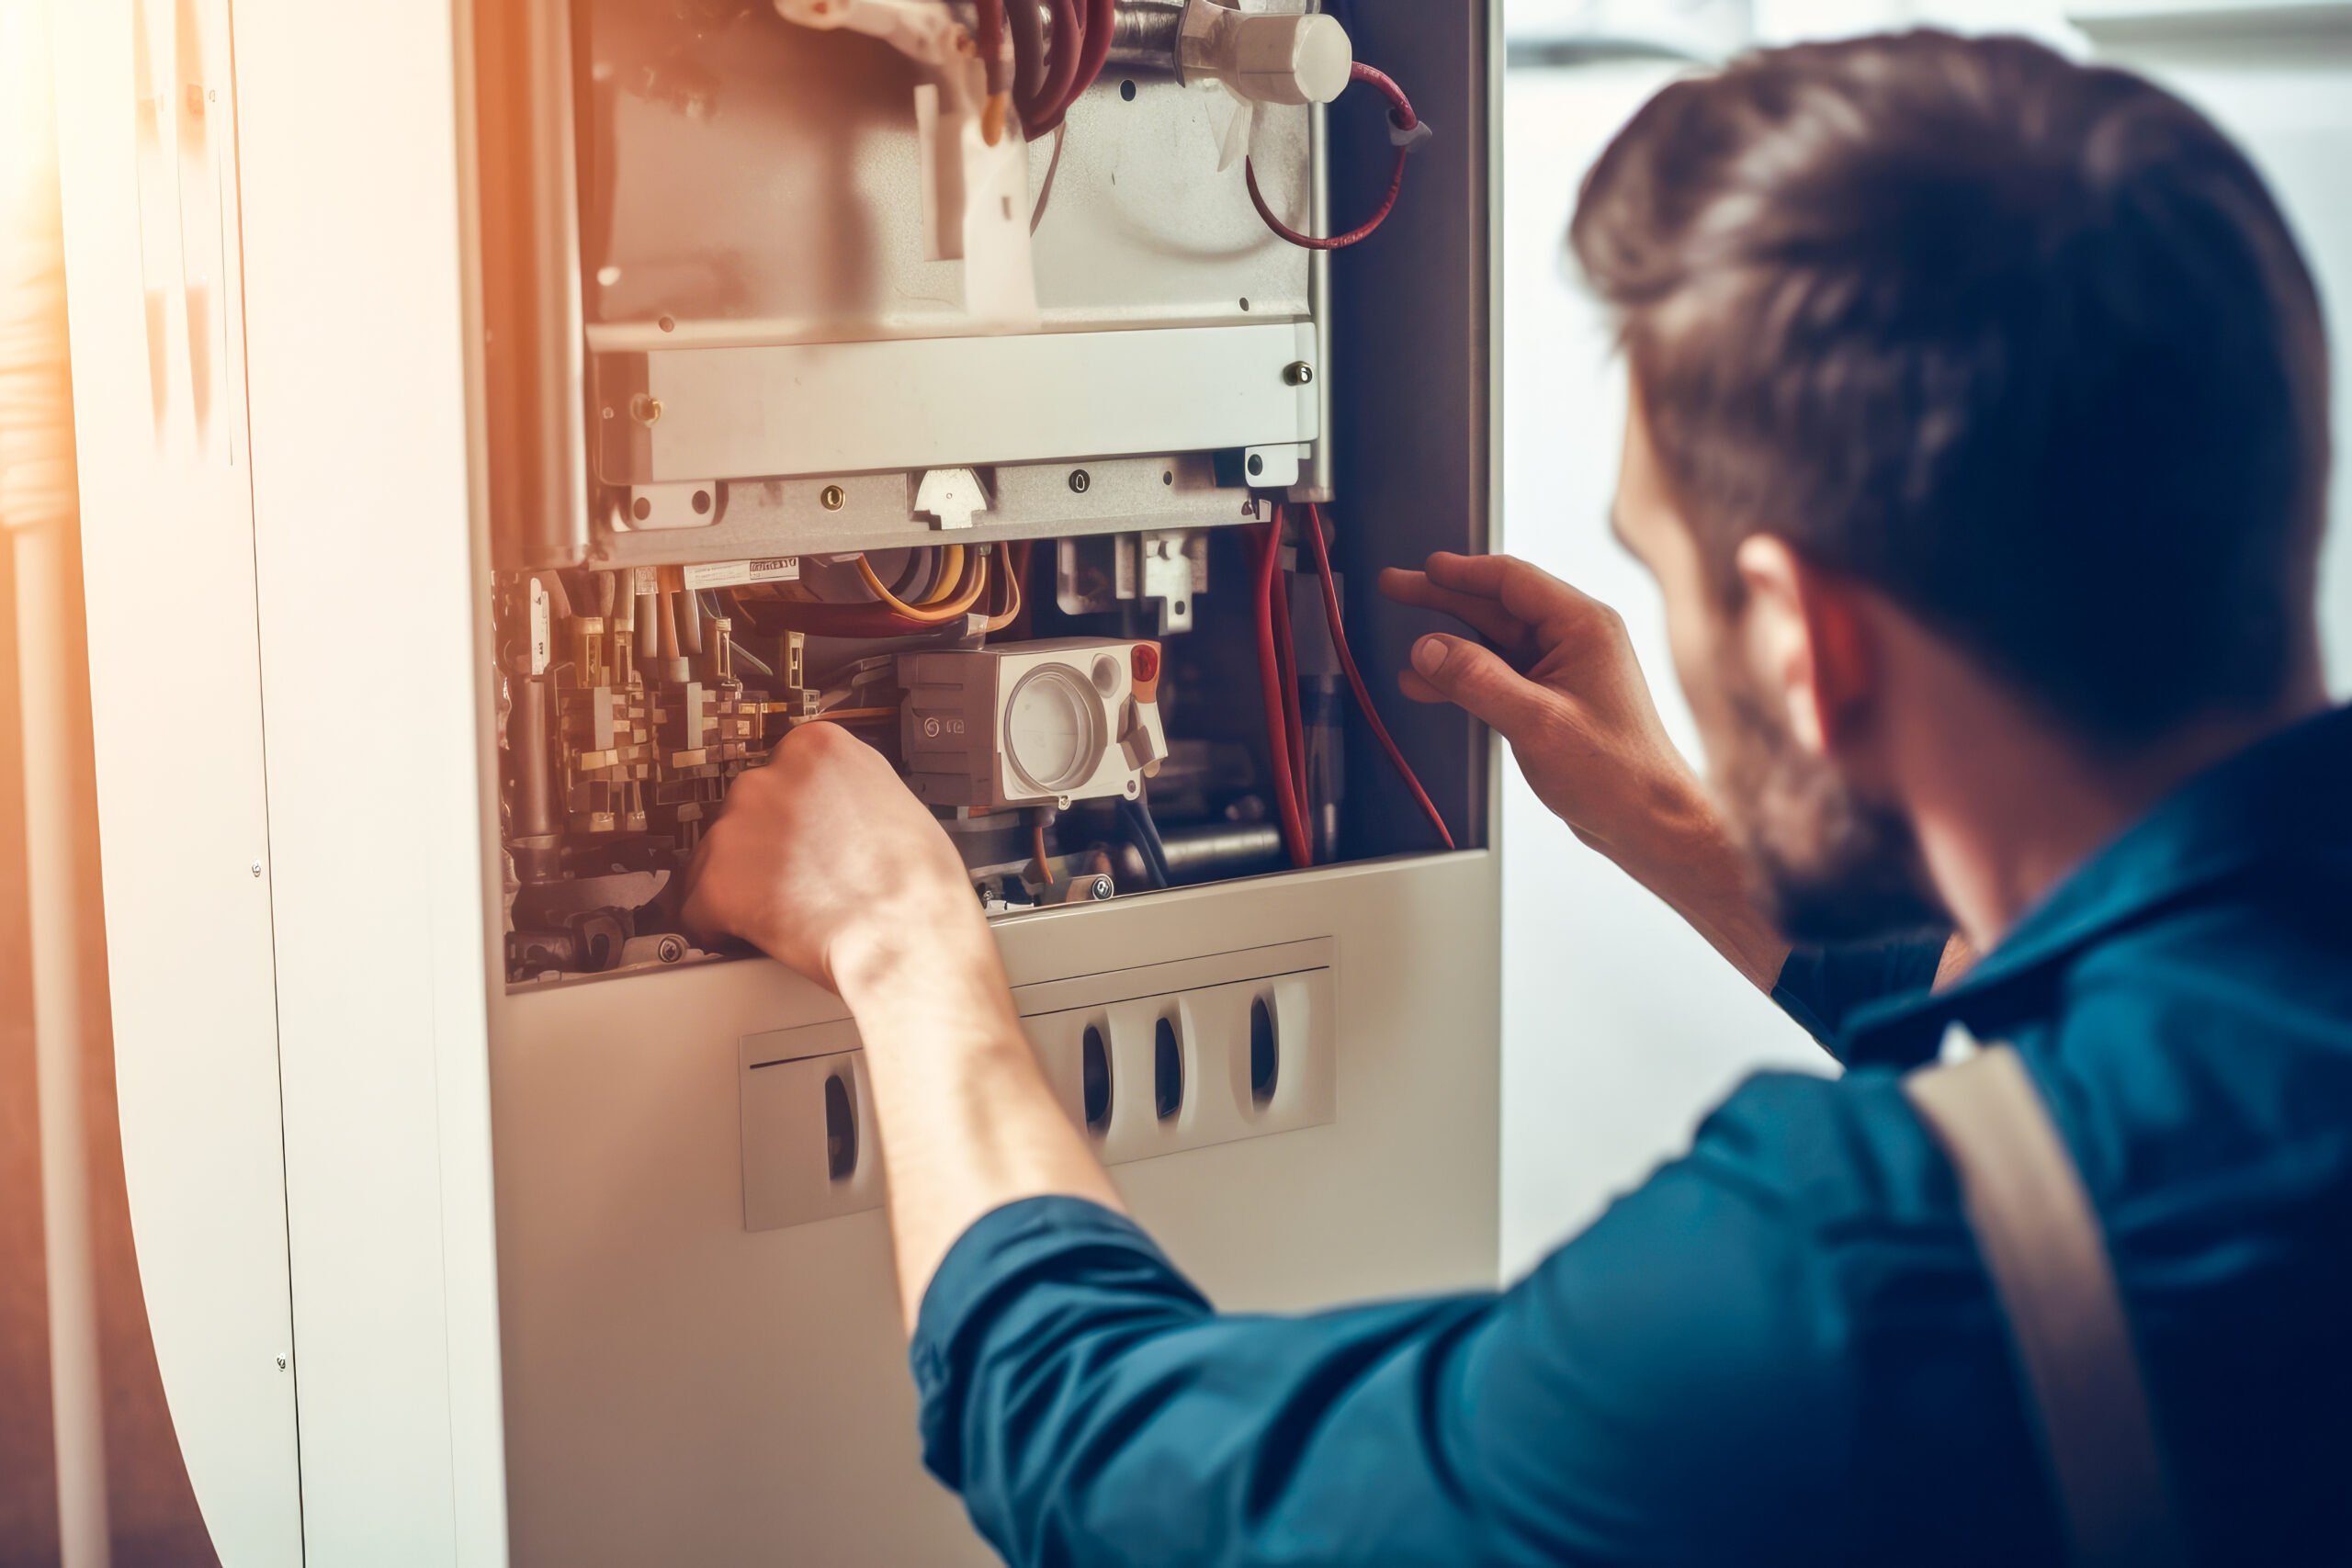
943, 586
954, 610
1012, 605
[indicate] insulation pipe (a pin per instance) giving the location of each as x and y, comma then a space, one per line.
37, 511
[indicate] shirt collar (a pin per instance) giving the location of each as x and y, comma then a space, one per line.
2287, 794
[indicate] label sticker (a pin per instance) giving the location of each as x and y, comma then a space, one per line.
542, 627
744, 573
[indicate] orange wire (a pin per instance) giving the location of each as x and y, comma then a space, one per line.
954, 609
944, 584
1012, 595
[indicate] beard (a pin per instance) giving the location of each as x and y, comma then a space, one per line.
1830, 865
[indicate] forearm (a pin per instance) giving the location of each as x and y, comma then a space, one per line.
969, 1122
1686, 855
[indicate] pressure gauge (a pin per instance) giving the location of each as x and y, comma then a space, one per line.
1053, 730
1032, 723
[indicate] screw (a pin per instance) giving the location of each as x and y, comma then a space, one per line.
1080, 482
1103, 888
1298, 373
833, 498
256, 868
645, 408
672, 950
280, 1359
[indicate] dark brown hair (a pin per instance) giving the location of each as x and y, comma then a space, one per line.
2026, 344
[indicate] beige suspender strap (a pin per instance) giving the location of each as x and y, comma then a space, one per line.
2042, 1246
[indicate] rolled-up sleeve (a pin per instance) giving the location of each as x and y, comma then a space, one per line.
1667, 1387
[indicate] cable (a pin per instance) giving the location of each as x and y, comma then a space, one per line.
1011, 575
921, 565
749, 659
1348, 662
1405, 123
1286, 662
1045, 191
988, 23
1041, 114
1145, 833
1026, 23
1293, 820
943, 585
953, 610
1037, 847
1092, 49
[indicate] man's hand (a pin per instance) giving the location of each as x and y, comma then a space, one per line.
825, 861
1559, 679
1556, 677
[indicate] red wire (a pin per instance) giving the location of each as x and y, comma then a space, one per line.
1090, 50
1026, 23
1348, 662
1405, 118
1039, 116
1294, 821
1286, 662
988, 23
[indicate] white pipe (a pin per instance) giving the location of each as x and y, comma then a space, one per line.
37, 506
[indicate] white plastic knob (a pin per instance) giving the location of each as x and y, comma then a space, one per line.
1292, 59
1269, 59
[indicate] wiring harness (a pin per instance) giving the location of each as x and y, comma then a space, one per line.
1056, 56
950, 585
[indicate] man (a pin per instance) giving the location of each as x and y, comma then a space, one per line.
1979, 447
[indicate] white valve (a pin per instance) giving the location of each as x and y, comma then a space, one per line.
1263, 58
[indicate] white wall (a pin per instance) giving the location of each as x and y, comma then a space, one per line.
1620, 1026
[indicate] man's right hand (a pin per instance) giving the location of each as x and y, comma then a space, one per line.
825, 860
1556, 677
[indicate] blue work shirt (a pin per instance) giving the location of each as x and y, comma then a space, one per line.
1783, 1347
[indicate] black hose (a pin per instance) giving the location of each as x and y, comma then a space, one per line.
1145, 835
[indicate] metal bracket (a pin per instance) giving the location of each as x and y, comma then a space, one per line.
954, 497
1273, 467
1175, 569
646, 509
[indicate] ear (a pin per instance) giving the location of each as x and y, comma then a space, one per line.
1808, 643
